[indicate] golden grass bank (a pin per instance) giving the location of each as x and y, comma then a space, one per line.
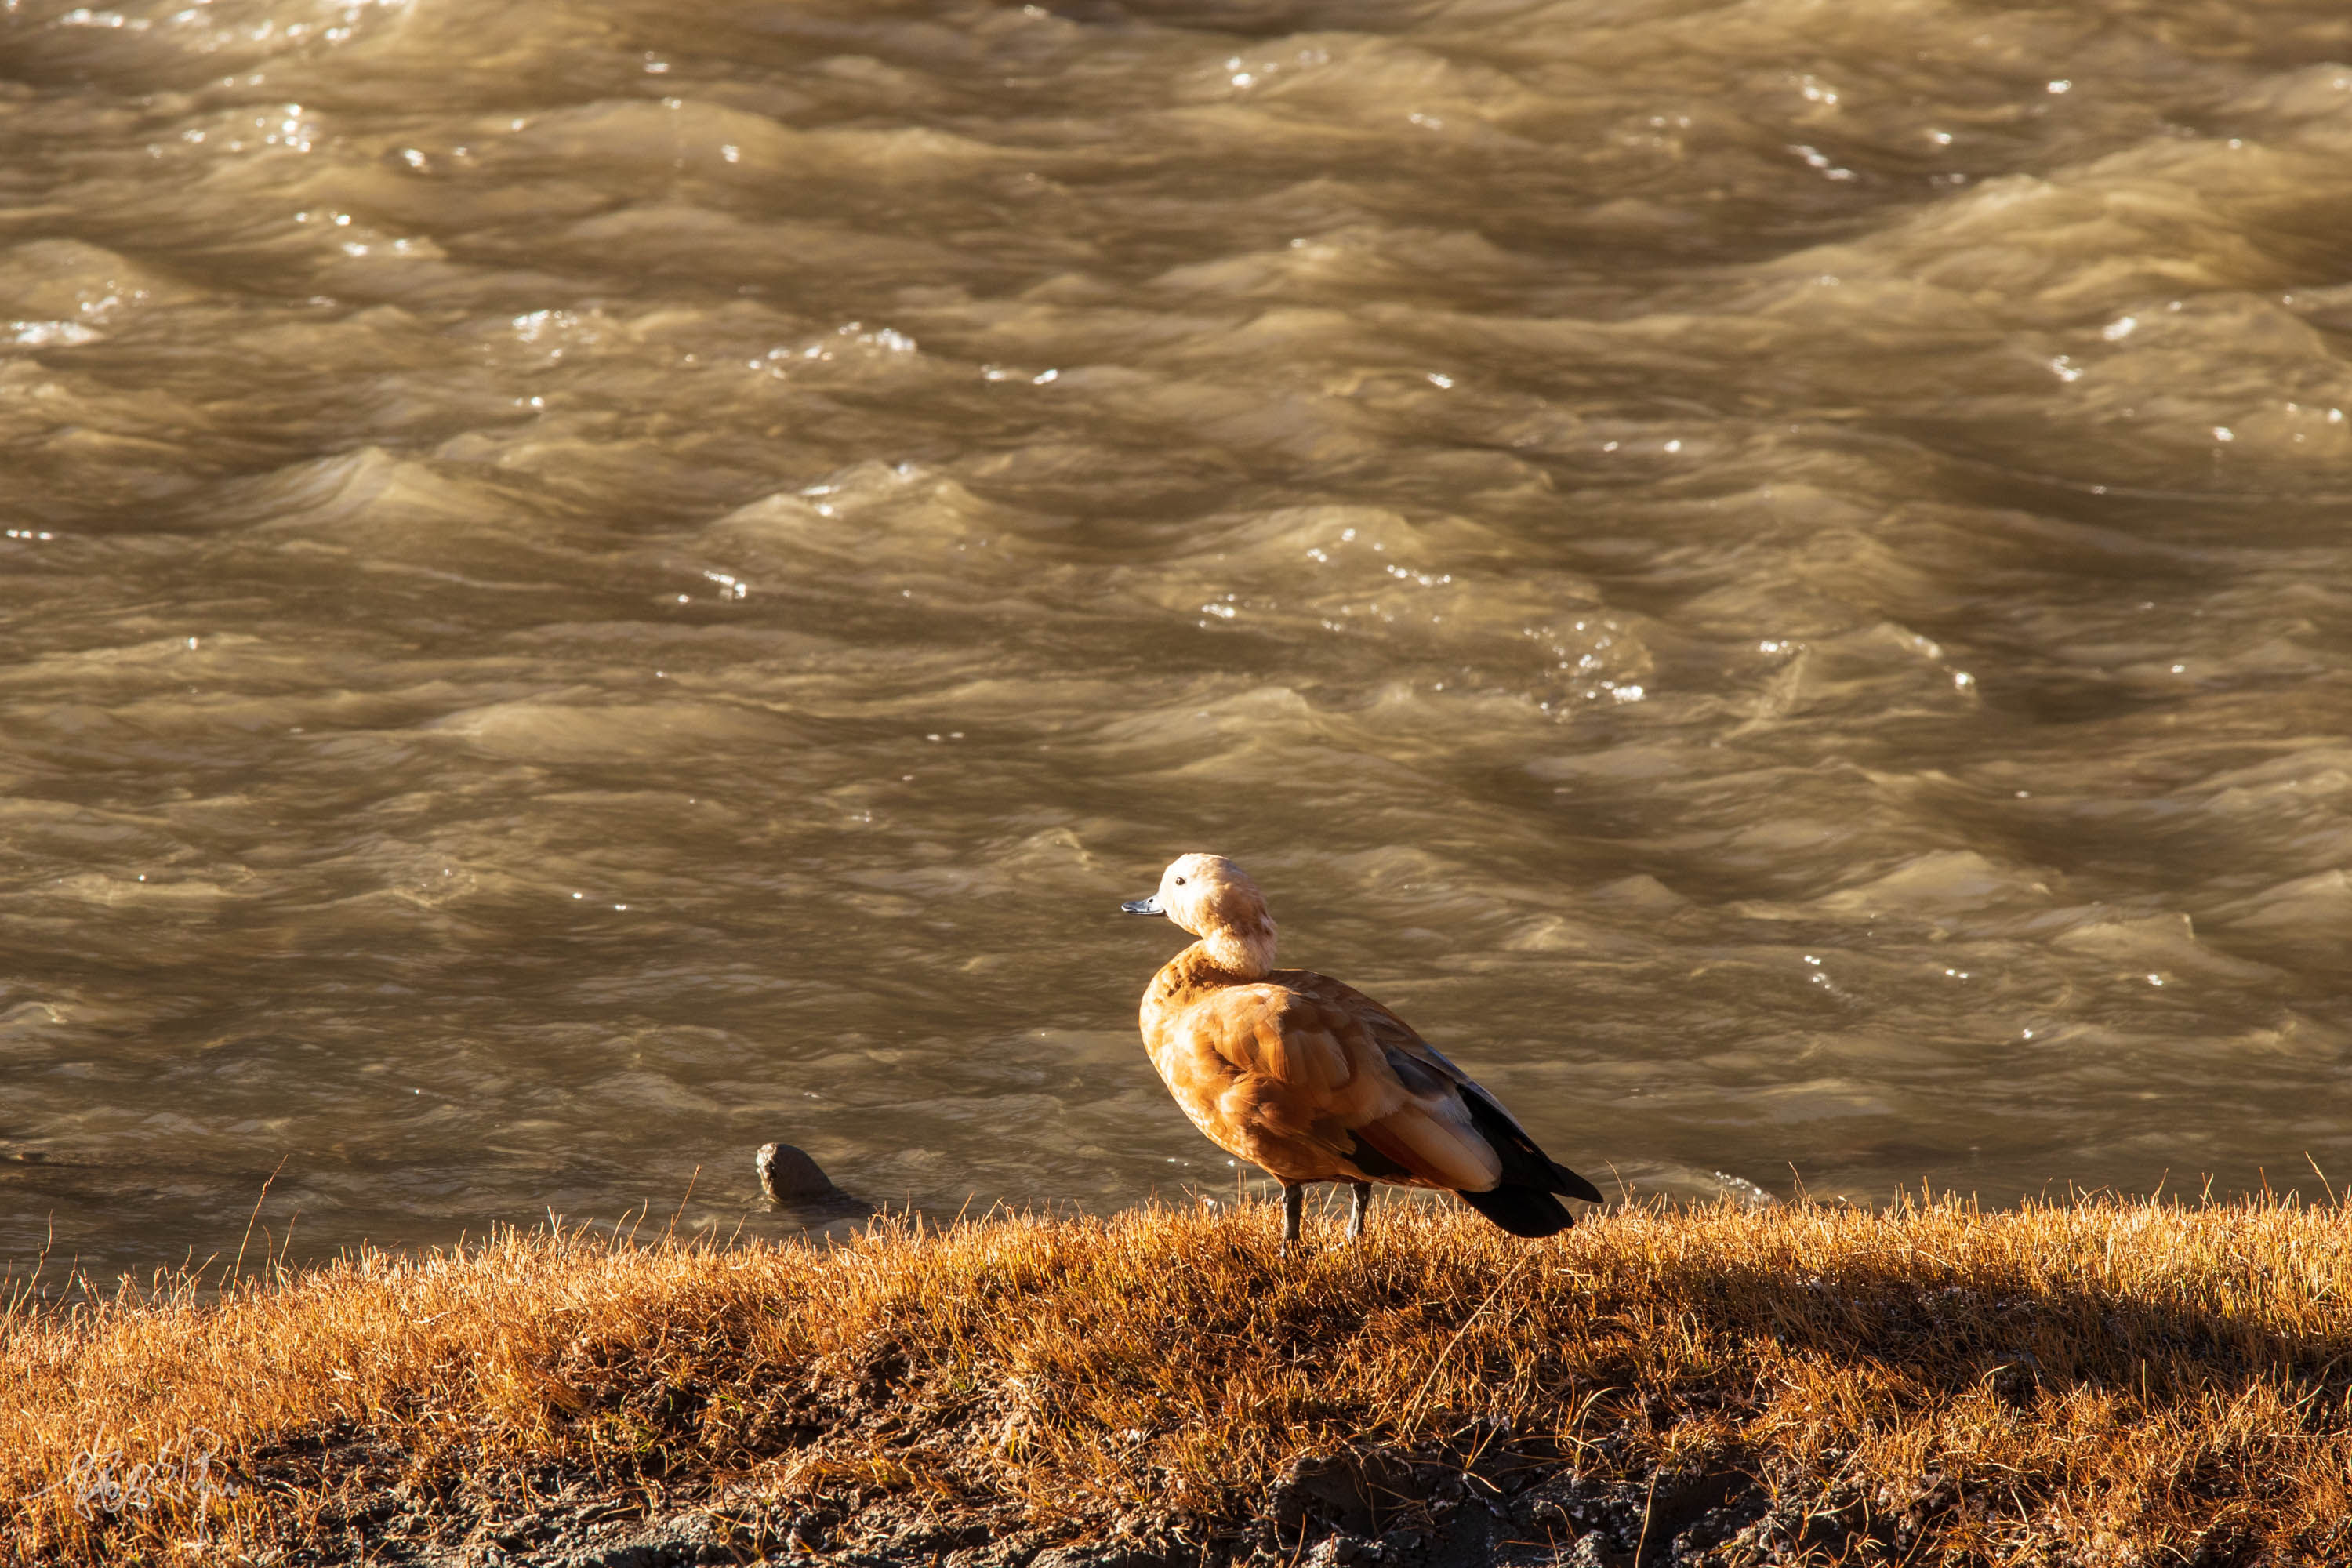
2097, 1382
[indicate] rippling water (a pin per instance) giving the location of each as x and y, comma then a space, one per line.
589, 584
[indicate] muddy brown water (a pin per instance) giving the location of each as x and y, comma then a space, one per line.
587, 585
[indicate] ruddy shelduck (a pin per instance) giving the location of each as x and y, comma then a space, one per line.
1314, 1081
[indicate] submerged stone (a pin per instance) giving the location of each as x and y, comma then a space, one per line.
788, 1175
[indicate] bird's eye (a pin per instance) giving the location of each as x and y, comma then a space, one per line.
1180, 882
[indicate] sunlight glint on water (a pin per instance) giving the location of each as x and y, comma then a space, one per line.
588, 585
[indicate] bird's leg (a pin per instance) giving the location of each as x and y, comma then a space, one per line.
1294, 1198
1360, 1210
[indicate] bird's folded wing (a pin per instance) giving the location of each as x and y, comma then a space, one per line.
1423, 1069
1342, 1083
1271, 1032
1463, 1125
1435, 1142
1266, 1061
1429, 1073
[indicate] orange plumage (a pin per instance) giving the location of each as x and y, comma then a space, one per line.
1314, 1081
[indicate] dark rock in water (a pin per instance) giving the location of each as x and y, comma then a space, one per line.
790, 1176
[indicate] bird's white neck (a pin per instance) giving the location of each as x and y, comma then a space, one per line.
1247, 954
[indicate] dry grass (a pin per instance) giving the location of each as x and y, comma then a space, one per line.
2103, 1382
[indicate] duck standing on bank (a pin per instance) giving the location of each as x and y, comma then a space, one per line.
1314, 1081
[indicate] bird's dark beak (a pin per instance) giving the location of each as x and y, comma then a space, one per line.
1149, 905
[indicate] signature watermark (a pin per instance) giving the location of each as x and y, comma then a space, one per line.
181, 1471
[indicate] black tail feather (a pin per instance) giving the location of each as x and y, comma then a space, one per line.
1522, 1211
1573, 1185
1524, 1165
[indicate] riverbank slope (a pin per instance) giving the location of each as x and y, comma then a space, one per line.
2100, 1381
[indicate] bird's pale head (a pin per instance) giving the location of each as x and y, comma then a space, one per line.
1215, 899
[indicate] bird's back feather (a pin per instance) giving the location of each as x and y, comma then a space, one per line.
1316, 1081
